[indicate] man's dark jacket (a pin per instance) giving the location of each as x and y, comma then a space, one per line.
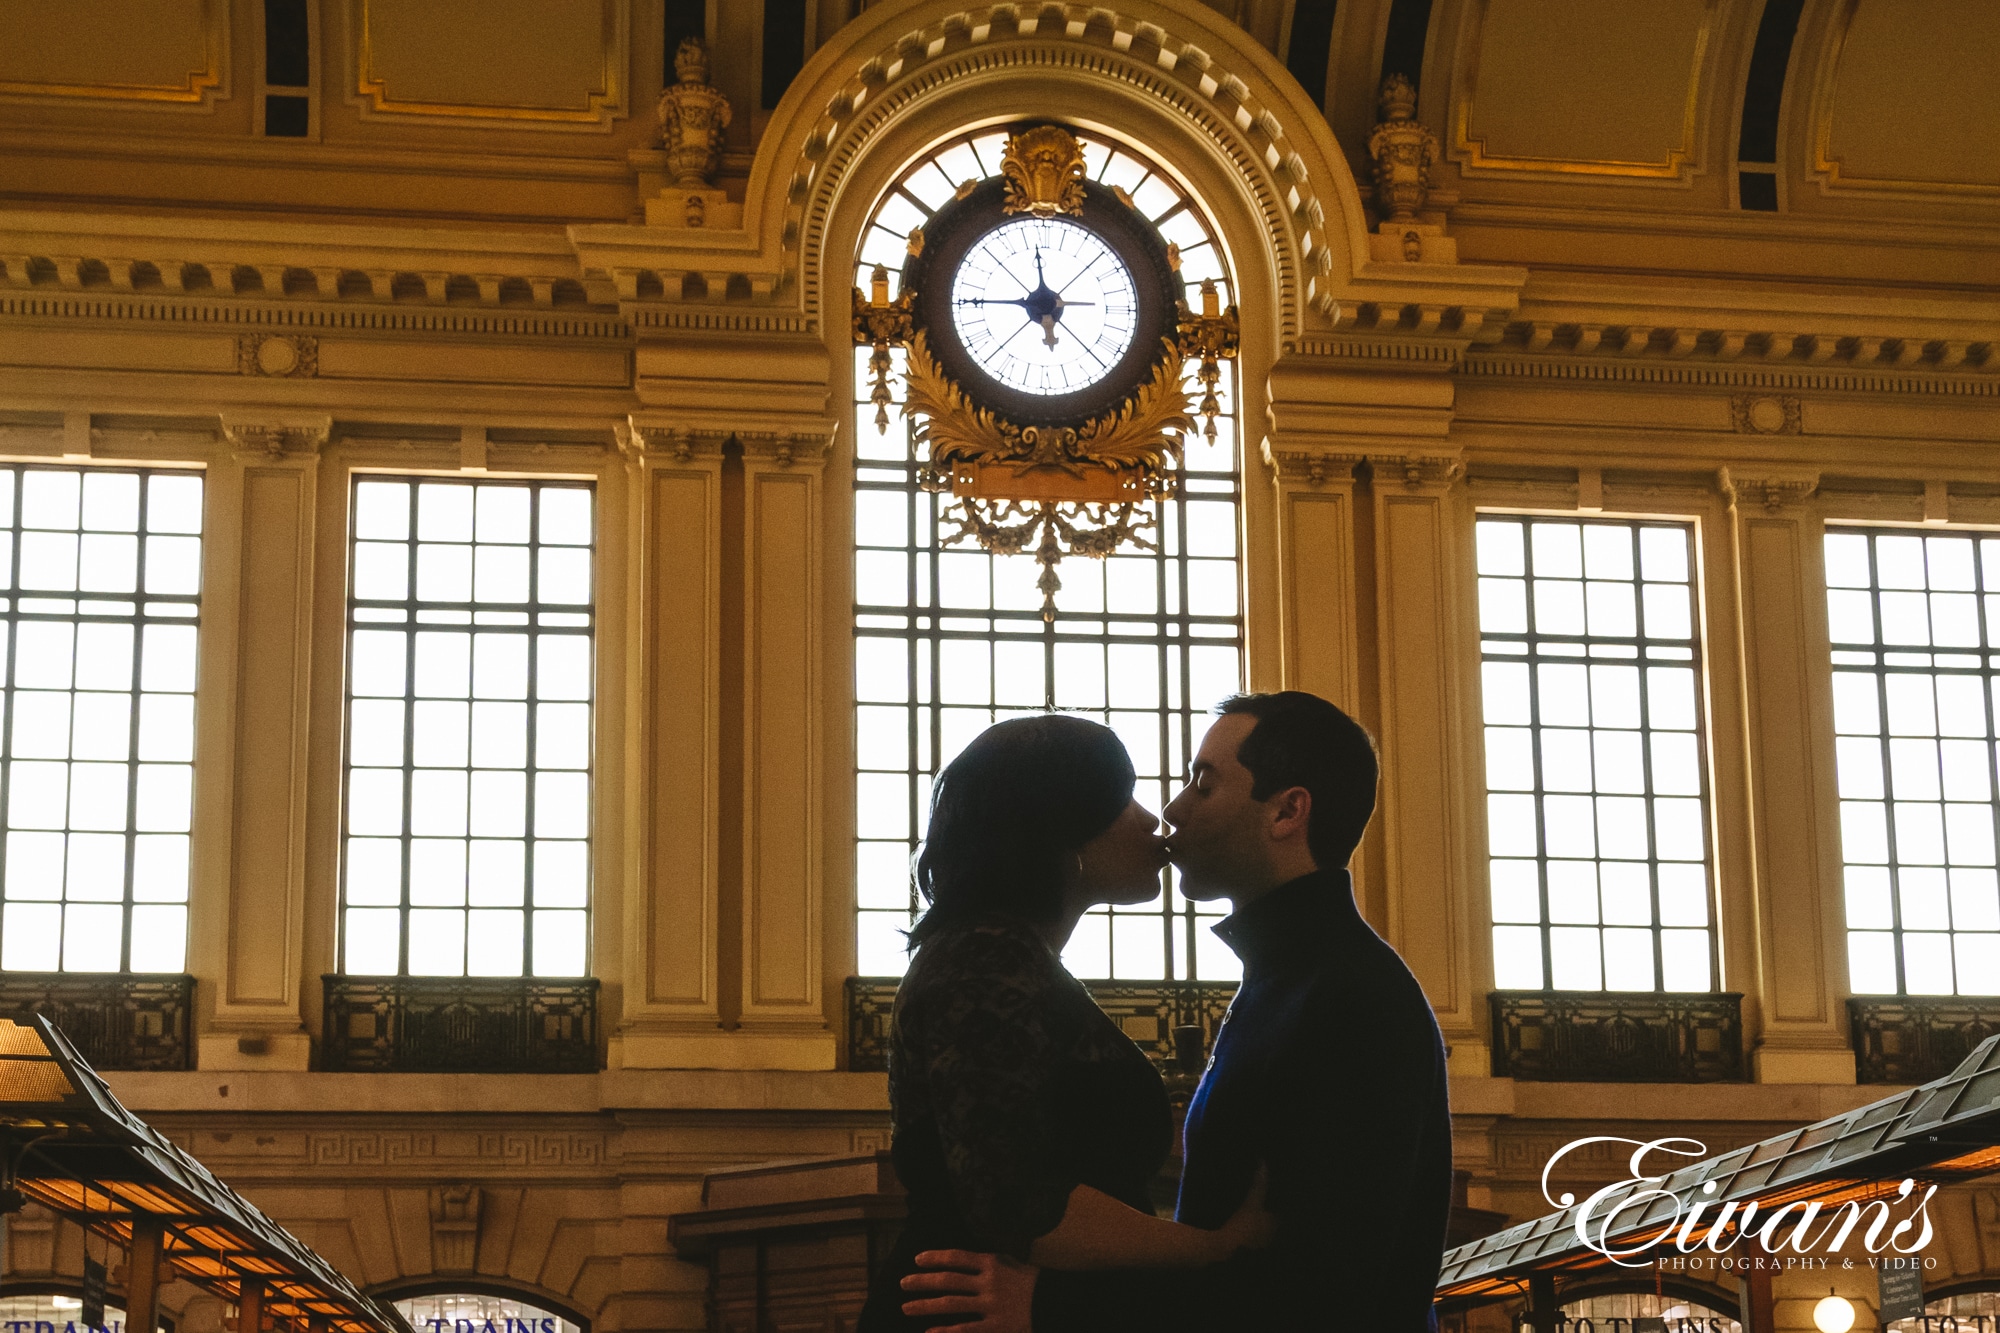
1329, 1068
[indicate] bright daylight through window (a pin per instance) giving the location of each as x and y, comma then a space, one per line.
467, 831
1915, 624
103, 569
950, 639
1596, 805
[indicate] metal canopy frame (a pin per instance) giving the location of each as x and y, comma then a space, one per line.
70, 1146
1946, 1130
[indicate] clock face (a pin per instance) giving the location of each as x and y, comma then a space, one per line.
1043, 306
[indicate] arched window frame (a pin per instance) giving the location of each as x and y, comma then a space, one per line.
1166, 939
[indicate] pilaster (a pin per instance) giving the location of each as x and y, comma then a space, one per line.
783, 999
672, 1007
260, 622
736, 934
1422, 809
1797, 1031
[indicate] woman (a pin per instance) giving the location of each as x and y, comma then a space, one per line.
1025, 1122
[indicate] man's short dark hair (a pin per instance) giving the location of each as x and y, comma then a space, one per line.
1301, 740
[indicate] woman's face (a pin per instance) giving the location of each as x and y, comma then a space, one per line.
1123, 863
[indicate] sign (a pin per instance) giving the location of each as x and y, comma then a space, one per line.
93, 1292
1900, 1283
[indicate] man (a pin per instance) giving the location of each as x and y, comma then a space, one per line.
1328, 1070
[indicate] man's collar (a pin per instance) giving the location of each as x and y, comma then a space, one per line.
1298, 914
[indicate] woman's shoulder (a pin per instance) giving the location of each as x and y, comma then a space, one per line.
984, 963
995, 945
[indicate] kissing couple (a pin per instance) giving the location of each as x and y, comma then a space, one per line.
1028, 1128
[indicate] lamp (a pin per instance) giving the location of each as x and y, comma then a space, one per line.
1833, 1314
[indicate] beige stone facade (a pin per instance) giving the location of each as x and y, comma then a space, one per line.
451, 272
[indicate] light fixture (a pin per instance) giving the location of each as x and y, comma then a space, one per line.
1834, 1314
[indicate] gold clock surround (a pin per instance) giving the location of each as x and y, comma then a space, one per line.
1069, 489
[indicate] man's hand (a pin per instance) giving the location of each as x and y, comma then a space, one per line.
996, 1293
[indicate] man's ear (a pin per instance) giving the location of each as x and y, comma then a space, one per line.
1291, 814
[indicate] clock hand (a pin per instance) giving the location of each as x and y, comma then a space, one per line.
1049, 330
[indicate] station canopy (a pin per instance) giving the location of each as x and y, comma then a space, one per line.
75, 1150
1943, 1131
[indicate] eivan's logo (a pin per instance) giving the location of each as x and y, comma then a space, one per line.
1687, 1229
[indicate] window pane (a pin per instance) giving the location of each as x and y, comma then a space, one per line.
1597, 806
950, 639
1915, 758
494, 723
99, 775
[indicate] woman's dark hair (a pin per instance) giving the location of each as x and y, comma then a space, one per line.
1301, 740
1009, 813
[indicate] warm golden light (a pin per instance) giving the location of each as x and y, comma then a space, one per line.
1834, 1314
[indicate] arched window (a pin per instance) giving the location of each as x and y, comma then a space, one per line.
481, 1312
62, 1311
949, 639
1976, 1311
1612, 1311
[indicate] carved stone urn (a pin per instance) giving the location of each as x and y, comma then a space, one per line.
693, 117
1404, 153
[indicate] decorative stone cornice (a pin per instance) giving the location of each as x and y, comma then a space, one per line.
1774, 488
1772, 345
1417, 471
640, 440
1314, 467
271, 434
302, 276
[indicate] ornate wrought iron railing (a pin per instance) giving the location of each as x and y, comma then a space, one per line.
1618, 1036
471, 1025
1163, 1017
1915, 1039
118, 1020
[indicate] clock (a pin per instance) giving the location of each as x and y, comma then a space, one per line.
1048, 341
1050, 319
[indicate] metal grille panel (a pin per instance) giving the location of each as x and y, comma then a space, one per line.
471, 1025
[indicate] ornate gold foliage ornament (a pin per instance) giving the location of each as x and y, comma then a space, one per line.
1058, 487
1213, 335
1044, 171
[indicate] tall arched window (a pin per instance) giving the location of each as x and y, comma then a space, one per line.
949, 639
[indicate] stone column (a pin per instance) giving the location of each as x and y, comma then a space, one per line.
1316, 570
248, 907
783, 1001
1421, 648
736, 939
1796, 1024
672, 1012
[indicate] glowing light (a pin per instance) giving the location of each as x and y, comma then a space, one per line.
1834, 1314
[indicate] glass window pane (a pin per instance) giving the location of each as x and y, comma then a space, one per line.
1918, 810
1597, 787
498, 727
91, 829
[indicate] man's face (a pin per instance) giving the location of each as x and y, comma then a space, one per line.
1218, 840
